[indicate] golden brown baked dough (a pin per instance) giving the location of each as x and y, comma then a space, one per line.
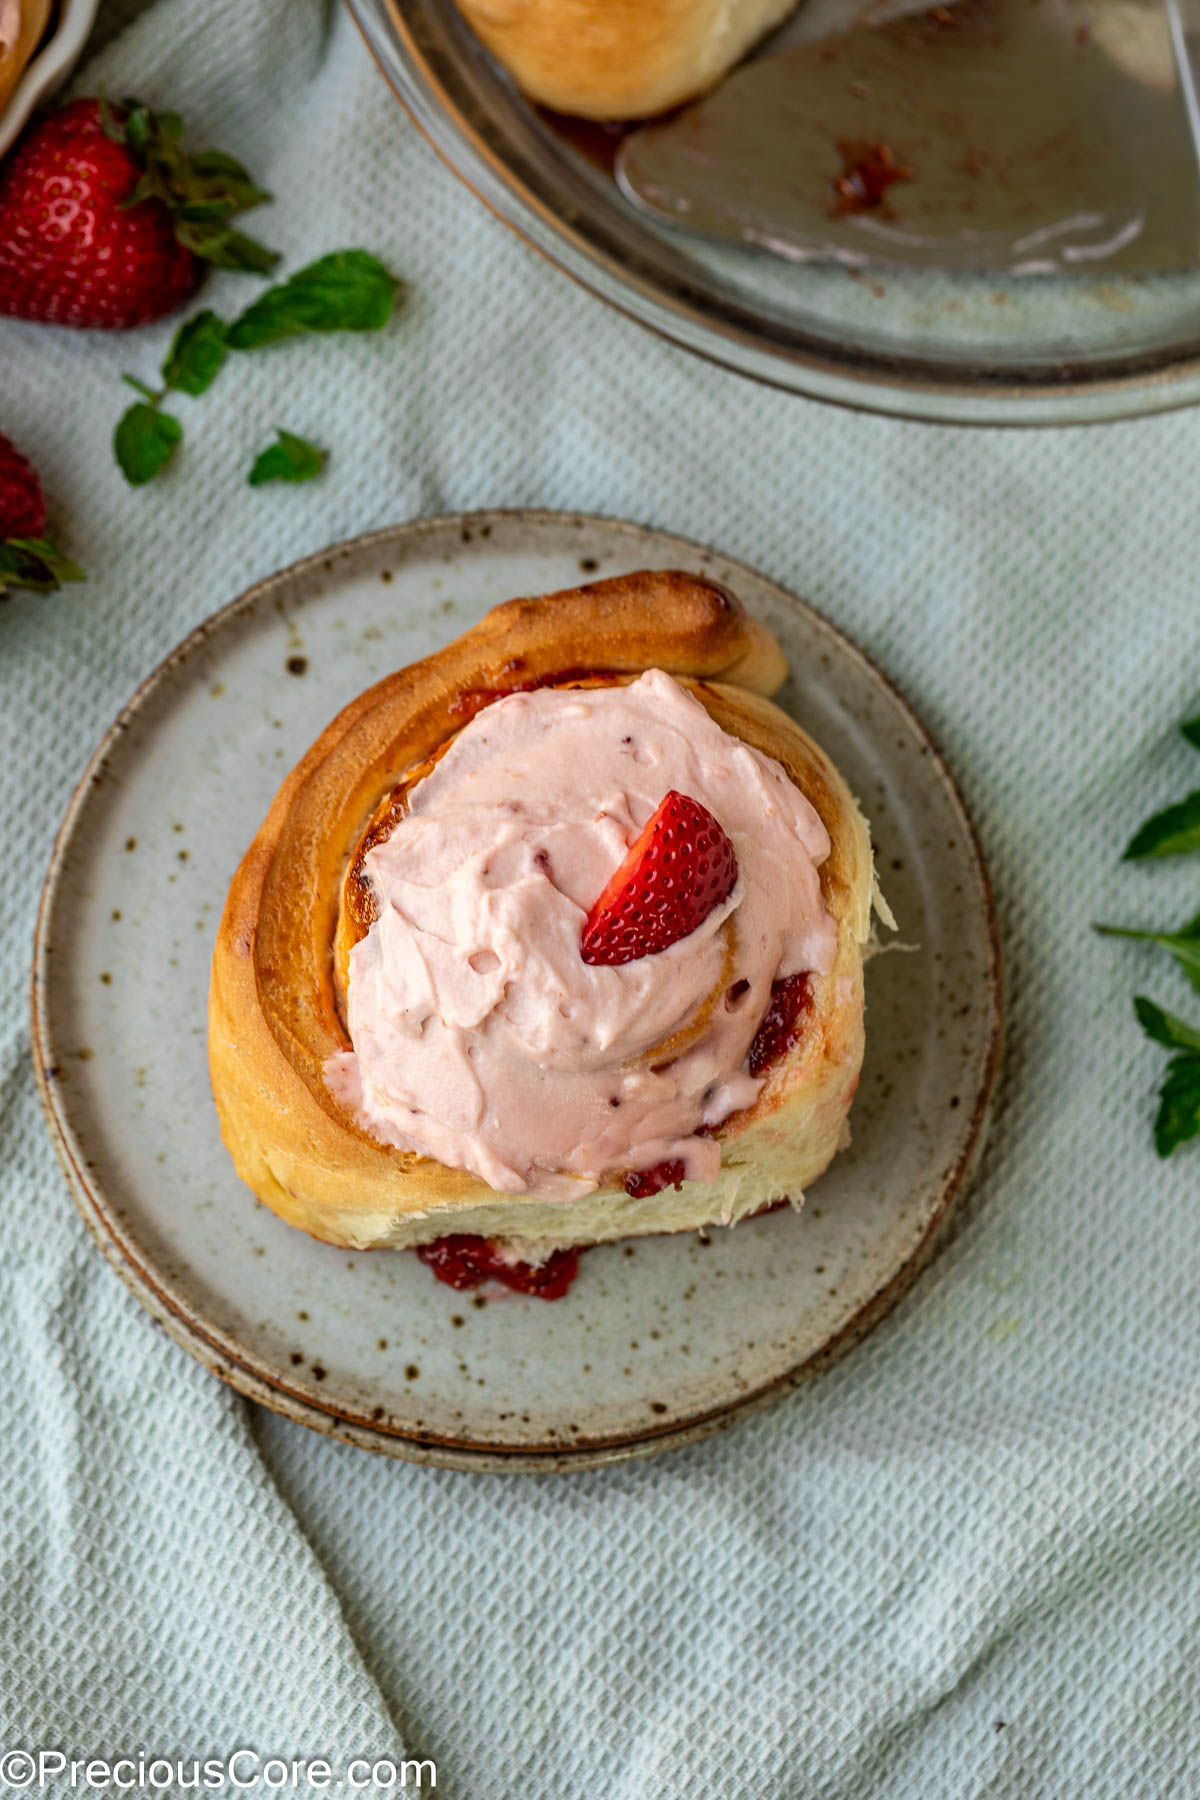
620, 59
275, 1008
22, 23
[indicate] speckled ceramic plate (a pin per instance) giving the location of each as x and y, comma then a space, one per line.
658, 1342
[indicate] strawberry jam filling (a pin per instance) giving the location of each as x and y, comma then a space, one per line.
472, 700
783, 1022
641, 1183
465, 1262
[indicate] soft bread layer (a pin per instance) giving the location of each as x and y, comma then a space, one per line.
620, 59
274, 1017
22, 23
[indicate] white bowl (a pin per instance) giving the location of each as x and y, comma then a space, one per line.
50, 67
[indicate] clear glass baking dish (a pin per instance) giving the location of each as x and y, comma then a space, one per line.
966, 349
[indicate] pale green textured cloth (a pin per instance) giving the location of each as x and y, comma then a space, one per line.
965, 1563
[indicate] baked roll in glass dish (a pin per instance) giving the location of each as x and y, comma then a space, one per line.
620, 59
553, 938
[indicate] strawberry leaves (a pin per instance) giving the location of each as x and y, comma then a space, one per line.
27, 557
203, 191
35, 563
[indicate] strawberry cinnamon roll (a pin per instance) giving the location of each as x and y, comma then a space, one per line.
552, 939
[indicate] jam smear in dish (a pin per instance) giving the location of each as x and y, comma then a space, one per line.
782, 1024
641, 1183
466, 1262
869, 170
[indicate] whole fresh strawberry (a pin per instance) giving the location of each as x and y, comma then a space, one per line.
105, 220
676, 871
26, 558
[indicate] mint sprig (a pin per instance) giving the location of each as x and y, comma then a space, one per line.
345, 291
1167, 1029
289, 458
1176, 829
1178, 1119
145, 441
194, 360
1183, 944
348, 290
1168, 833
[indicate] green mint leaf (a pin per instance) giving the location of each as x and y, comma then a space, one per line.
196, 355
1178, 1105
35, 563
1183, 944
1170, 832
1167, 1029
289, 458
346, 291
144, 443
139, 387
226, 248
1191, 731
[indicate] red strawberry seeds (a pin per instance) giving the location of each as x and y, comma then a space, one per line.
677, 870
69, 254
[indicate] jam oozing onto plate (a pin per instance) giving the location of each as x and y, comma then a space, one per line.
783, 1022
466, 1262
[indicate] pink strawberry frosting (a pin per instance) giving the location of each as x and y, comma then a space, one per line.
481, 1037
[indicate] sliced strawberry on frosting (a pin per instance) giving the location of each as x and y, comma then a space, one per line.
677, 870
